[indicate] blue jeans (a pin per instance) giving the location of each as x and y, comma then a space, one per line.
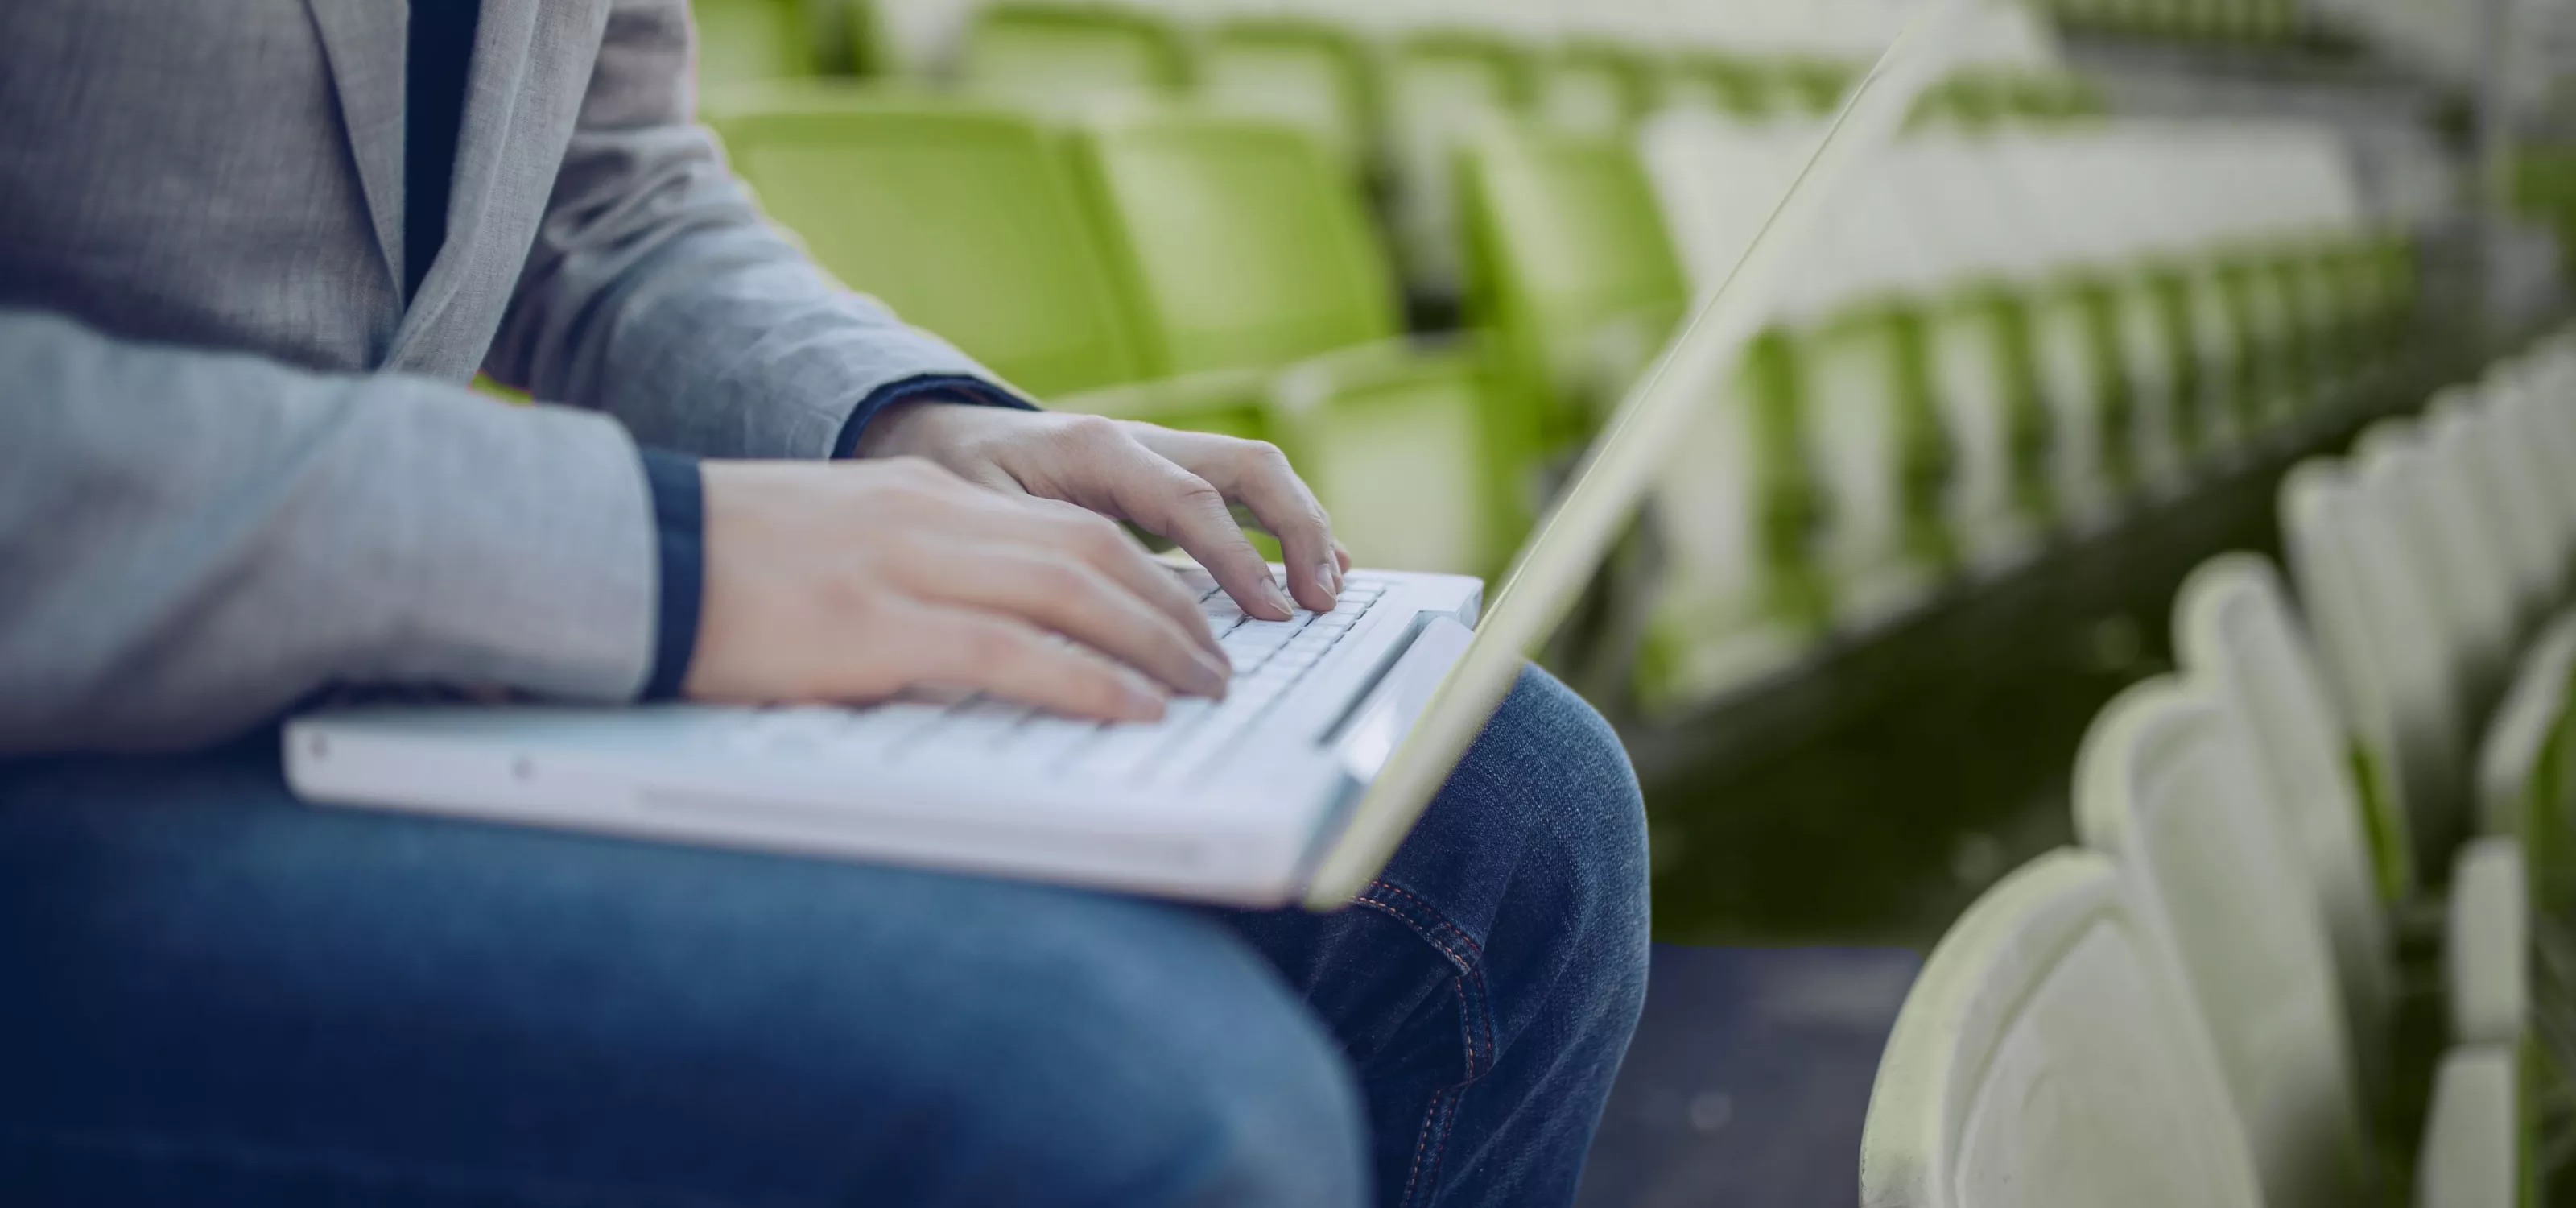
210, 994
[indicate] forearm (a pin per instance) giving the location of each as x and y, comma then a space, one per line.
190, 542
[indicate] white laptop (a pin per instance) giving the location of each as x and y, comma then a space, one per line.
1298, 787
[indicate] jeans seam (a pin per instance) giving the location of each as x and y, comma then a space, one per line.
1475, 1025
1426, 908
456, 1185
1475, 1022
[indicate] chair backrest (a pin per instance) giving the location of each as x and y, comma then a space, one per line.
1061, 58
2530, 430
2486, 945
745, 40
1306, 73
2433, 519
2513, 754
1236, 243
2536, 393
2471, 433
2381, 647
2237, 633
1592, 87
955, 215
1570, 265
2165, 789
2475, 1138
2045, 1057
1735, 509
1440, 87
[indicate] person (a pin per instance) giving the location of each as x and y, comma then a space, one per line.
250, 255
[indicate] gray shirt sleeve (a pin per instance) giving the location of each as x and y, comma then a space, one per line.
191, 541
658, 293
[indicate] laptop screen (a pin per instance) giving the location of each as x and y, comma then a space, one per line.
1596, 505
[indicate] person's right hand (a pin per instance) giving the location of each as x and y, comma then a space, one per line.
849, 582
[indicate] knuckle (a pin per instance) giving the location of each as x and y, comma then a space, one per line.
990, 650
1262, 455
1198, 494
1062, 582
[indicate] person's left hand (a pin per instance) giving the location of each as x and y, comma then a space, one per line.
1176, 484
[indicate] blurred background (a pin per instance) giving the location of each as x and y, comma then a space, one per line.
2132, 260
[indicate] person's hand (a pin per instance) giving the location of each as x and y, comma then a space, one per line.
851, 582
1177, 484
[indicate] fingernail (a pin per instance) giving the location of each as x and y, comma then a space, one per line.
1144, 702
1277, 599
1212, 678
1330, 576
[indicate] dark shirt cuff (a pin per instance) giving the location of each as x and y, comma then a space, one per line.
679, 525
956, 389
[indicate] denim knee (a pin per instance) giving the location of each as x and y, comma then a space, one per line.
1585, 832
1538, 843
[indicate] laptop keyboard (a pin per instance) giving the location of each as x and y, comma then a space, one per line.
1269, 657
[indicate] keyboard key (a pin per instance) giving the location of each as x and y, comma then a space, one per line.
1046, 740
1121, 751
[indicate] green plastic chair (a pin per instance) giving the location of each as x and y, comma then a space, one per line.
1307, 73
1738, 598
746, 40
1593, 87
1440, 87
1570, 266
953, 214
1718, 84
1061, 59
1240, 247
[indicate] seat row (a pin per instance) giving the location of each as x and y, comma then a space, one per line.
1391, 92
2197, 1009
2009, 338
932, 37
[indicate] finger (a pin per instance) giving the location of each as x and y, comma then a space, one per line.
1015, 517
1071, 528
1062, 593
1259, 475
1342, 557
960, 647
1127, 479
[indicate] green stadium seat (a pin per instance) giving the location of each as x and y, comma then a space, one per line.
1236, 242
1718, 84
2047, 1056
1571, 269
1740, 597
2477, 1139
2165, 788
1440, 87
741, 41
2433, 523
1065, 58
1593, 87
1308, 73
2238, 636
2378, 634
953, 214
1241, 246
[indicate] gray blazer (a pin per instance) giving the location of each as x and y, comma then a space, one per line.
235, 467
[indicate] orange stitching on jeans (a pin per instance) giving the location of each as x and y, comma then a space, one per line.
1433, 1118
1429, 909
1478, 1031
1457, 984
